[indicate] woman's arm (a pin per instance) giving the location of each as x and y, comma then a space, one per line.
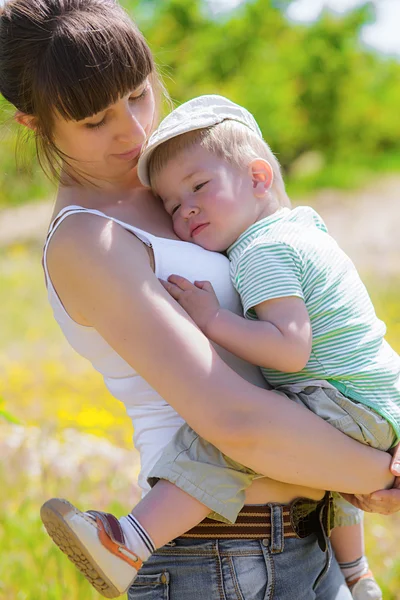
385, 502
102, 273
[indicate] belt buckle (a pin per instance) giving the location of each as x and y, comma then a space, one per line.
304, 516
310, 516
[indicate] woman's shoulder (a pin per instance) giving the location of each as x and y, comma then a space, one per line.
89, 247
85, 235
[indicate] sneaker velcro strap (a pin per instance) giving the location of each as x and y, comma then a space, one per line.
111, 525
352, 582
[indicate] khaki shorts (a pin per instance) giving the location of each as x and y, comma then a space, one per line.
219, 482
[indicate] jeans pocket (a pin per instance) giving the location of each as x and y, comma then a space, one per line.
150, 587
234, 579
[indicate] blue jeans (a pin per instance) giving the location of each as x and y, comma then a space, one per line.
190, 569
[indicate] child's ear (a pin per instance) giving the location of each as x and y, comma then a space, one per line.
28, 121
262, 176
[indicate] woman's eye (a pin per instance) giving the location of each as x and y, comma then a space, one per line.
96, 125
199, 186
142, 95
175, 209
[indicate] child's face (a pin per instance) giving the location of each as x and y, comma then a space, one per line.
211, 202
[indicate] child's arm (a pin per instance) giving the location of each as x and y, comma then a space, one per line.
281, 339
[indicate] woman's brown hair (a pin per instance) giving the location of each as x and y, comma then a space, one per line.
71, 57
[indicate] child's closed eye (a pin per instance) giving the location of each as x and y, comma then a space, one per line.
174, 209
198, 187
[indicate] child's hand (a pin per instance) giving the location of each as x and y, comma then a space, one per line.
198, 299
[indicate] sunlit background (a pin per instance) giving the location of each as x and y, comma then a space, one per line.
322, 77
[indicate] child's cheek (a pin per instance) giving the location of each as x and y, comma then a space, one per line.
181, 229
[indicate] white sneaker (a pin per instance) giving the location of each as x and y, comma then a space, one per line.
95, 543
366, 588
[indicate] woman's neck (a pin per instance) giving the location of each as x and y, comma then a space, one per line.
135, 205
89, 186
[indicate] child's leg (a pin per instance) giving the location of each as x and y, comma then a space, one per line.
206, 483
109, 552
348, 545
165, 513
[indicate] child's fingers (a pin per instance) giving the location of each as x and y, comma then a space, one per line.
181, 282
172, 289
163, 283
204, 285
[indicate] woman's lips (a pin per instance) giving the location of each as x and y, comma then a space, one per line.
199, 229
130, 154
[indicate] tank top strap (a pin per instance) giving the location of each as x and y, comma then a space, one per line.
144, 236
73, 209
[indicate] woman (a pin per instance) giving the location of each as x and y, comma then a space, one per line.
82, 78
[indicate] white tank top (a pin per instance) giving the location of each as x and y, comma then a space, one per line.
154, 421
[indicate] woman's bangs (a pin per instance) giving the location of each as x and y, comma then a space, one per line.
85, 75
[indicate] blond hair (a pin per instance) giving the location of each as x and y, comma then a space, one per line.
229, 140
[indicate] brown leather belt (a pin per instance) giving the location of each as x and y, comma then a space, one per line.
300, 518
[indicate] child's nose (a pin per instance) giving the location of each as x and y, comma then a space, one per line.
189, 210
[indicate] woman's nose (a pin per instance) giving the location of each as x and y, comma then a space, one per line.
130, 128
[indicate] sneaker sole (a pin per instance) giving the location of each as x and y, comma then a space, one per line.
53, 514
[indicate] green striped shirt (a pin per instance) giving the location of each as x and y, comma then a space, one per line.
290, 253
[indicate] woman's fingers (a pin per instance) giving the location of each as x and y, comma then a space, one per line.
395, 464
384, 502
353, 499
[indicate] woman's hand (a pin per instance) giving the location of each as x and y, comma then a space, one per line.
385, 502
198, 299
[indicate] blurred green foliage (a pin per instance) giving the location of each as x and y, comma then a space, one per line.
311, 87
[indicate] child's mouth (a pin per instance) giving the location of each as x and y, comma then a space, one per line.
199, 229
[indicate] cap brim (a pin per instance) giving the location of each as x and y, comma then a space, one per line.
142, 167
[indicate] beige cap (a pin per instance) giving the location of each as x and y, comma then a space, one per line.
197, 113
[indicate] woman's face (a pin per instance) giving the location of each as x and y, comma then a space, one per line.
106, 146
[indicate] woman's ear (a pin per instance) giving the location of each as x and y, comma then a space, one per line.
28, 121
262, 176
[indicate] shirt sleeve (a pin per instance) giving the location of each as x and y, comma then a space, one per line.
318, 221
266, 271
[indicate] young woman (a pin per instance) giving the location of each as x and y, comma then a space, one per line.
82, 78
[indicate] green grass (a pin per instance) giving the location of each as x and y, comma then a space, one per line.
32, 567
